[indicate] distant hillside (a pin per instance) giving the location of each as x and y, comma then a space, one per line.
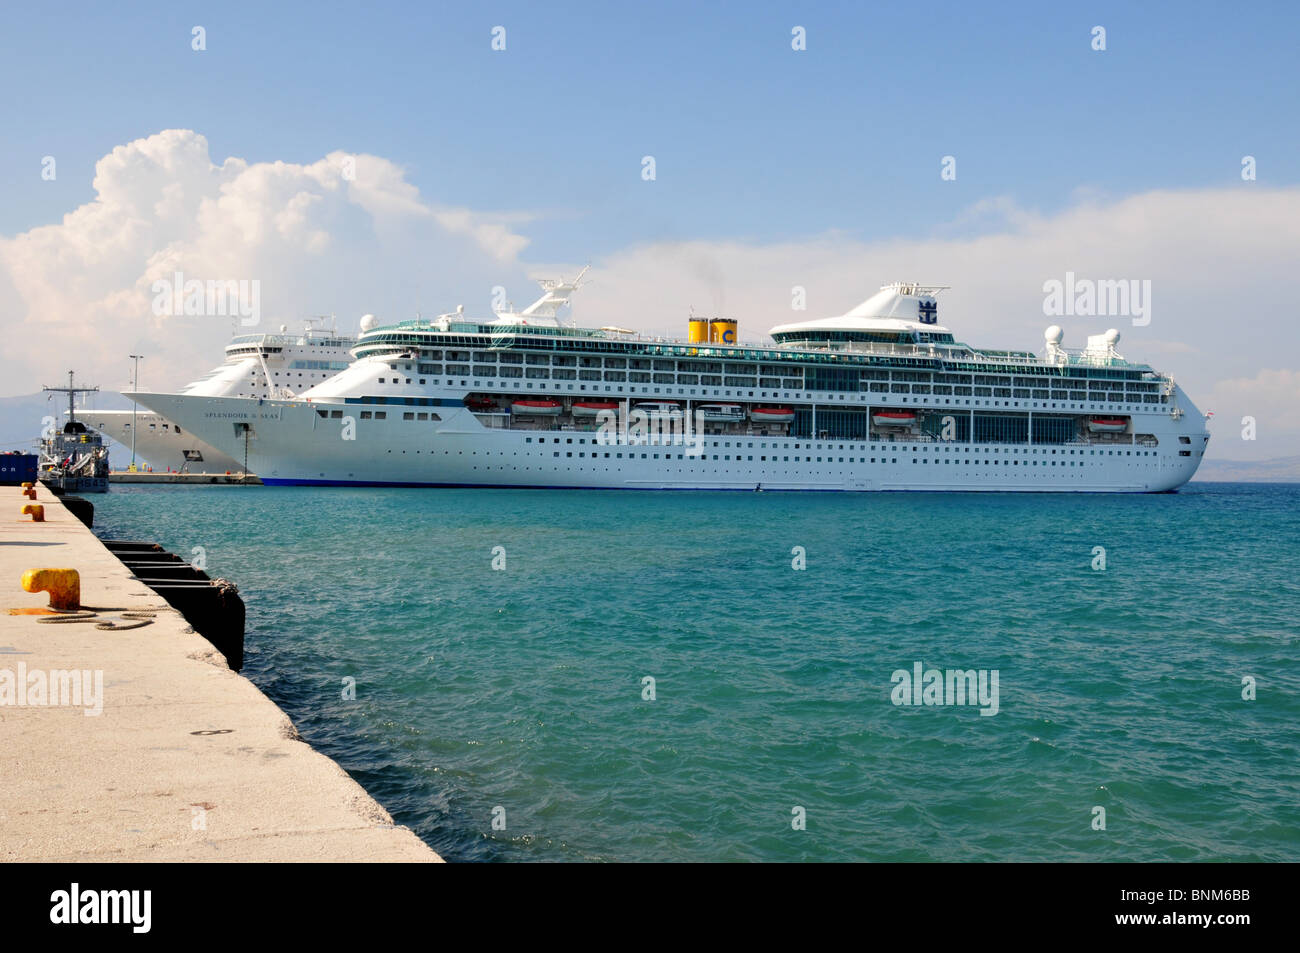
21, 417
1279, 470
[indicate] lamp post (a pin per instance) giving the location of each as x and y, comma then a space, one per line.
135, 386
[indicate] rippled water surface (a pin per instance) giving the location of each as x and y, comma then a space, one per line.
522, 688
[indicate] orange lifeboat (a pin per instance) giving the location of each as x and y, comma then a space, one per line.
592, 408
1108, 425
536, 408
893, 418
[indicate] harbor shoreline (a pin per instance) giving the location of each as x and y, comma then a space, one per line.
184, 760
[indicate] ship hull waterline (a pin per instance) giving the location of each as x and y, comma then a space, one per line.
288, 443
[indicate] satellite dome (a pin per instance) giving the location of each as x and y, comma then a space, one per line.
283, 328
367, 322
1054, 334
1112, 336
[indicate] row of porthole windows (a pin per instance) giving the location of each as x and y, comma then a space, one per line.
946, 449
763, 459
795, 395
429, 416
798, 459
423, 416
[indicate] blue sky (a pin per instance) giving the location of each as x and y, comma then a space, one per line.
752, 139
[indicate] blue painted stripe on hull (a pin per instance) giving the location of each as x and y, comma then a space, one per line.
528, 486
714, 489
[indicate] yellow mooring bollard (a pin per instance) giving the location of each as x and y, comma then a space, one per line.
63, 585
37, 510
30, 493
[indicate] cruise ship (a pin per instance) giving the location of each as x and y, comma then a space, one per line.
882, 397
256, 365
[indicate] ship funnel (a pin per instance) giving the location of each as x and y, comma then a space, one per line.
722, 331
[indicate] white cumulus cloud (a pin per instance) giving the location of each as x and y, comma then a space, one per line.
343, 234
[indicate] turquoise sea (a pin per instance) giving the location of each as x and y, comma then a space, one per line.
522, 688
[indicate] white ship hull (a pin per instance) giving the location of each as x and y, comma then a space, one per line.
256, 365
289, 443
160, 443
980, 420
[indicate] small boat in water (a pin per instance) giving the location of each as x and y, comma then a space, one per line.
538, 408
74, 459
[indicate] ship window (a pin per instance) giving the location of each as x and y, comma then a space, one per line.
320, 413
365, 414
336, 414
381, 415
408, 415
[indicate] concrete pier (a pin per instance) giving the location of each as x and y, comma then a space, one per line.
185, 760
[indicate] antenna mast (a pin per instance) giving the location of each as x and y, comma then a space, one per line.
71, 391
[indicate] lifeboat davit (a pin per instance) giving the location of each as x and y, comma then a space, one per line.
660, 408
535, 408
893, 418
721, 411
771, 415
591, 408
1107, 424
